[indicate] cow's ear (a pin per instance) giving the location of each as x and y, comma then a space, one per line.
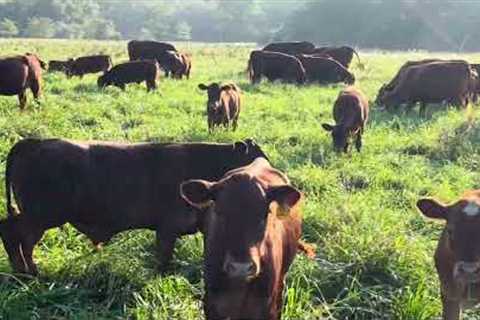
327, 127
197, 193
286, 196
432, 208
201, 86
241, 146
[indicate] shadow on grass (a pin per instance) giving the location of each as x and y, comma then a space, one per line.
86, 88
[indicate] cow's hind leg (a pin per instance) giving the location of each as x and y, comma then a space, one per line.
358, 142
12, 244
22, 98
165, 246
29, 240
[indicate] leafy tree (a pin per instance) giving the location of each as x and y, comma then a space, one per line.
8, 28
40, 27
183, 31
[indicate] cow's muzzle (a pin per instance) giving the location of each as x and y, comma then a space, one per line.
241, 270
467, 272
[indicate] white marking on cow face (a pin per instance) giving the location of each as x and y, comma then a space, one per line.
471, 209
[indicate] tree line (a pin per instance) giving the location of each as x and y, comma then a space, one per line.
387, 24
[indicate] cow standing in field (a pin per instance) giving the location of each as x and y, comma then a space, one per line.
253, 226
131, 72
19, 73
275, 66
153, 50
105, 188
391, 85
476, 90
292, 48
434, 82
343, 55
457, 258
89, 64
223, 105
325, 70
350, 112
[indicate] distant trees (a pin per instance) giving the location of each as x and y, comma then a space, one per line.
390, 24
8, 28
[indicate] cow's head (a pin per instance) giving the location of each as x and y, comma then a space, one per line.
249, 150
462, 233
349, 78
240, 210
42, 63
213, 92
339, 136
103, 81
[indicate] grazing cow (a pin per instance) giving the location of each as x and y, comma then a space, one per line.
275, 66
19, 73
60, 66
223, 105
343, 55
350, 112
253, 226
152, 50
105, 188
292, 48
175, 64
325, 70
391, 85
457, 258
130, 72
434, 82
89, 64
185, 66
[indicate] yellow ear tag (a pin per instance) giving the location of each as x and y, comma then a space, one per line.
283, 210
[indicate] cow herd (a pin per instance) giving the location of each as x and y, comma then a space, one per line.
247, 211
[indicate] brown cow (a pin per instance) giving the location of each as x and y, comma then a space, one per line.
343, 55
19, 73
153, 50
292, 48
275, 66
325, 70
434, 82
186, 66
89, 64
457, 258
350, 112
131, 72
105, 188
223, 105
253, 226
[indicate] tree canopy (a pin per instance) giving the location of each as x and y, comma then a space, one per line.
389, 24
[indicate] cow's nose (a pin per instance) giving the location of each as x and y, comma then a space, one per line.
240, 269
468, 267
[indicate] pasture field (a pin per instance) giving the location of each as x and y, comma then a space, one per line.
374, 249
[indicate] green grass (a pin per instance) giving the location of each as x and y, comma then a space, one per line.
374, 249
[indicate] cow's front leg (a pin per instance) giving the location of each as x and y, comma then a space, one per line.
165, 246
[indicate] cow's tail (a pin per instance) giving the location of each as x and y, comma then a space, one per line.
110, 62
360, 64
